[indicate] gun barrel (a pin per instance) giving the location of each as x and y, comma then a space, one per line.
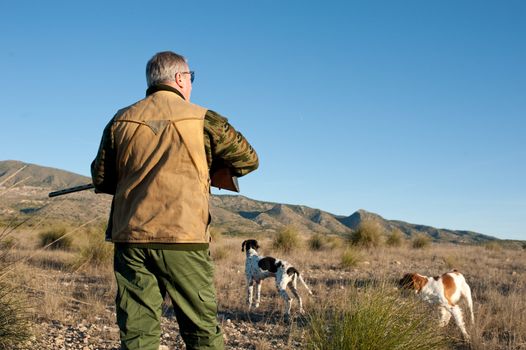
221, 178
71, 190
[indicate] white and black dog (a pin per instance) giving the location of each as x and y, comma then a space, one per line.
258, 268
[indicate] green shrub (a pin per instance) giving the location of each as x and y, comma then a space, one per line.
376, 319
14, 312
317, 242
395, 239
287, 239
350, 258
55, 239
14, 318
421, 241
368, 234
97, 252
493, 246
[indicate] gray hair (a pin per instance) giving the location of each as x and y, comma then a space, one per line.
163, 66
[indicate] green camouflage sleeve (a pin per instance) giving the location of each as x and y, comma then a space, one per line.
227, 147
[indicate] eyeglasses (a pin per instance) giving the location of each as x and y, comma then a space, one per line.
192, 75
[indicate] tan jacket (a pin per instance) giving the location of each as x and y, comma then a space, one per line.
162, 175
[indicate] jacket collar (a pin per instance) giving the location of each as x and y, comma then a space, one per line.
162, 87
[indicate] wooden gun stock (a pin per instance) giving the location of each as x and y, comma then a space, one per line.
223, 179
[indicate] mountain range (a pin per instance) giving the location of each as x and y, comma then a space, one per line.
24, 188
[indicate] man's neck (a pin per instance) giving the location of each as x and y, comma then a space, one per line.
164, 87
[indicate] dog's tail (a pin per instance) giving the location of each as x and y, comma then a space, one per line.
466, 292
298, 276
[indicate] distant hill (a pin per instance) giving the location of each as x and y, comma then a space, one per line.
24, 188
39, 176
438, 234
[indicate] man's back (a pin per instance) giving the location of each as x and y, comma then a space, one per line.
160, 159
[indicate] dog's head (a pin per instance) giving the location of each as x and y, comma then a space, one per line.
249, 244
412, 281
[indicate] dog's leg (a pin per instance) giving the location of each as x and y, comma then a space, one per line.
445, 316
294, 289
288, 301
258, 293
282, 281
250, 292
457, 315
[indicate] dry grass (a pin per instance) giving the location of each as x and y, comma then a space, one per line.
497, 277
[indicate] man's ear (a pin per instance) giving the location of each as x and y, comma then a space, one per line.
179, 79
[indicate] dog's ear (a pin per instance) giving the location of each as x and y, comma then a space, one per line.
243, 245
406, 282
419, 282
256, 244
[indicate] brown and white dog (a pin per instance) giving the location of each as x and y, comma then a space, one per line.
446, 291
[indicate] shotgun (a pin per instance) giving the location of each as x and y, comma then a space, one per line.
221, 179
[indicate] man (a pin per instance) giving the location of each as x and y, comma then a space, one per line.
154, 158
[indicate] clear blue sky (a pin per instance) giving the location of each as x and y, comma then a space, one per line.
415, 110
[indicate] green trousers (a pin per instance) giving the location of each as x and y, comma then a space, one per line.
145, 275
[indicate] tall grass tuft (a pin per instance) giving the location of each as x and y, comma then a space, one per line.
493, 246
317, 242
287, 239
14, 318
420, 241
335, 242
369, 234
350, 258
55, 239
97, 252
375, 319
14, 315
395, 239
